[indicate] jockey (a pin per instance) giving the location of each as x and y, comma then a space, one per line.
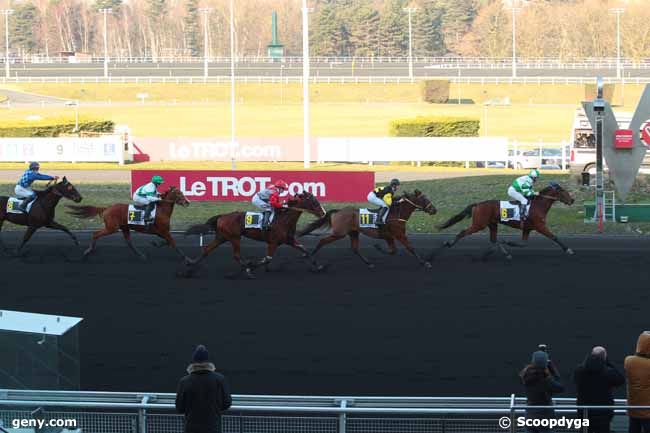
148, 195
522, 191
268, 200
383, 197
24, 189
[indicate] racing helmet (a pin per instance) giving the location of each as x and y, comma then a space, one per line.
534, 173
34, 165
281, 184
158, 180
395, 182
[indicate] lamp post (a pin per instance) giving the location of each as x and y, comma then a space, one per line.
410, 11
205, 12
618, 12
514, 40
105, 11
6, 13
75, 104
305, 84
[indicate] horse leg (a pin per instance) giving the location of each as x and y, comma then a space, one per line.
3, 247
127, 237
326, 240
354, 243
218, 240
493, 243
28, 234
236, 252
401, 237
56, 226
463, 233
315, 266
266, 261
169, 240
392, 249
93, 242
546, 232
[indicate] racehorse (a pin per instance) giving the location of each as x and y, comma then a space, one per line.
230, 228
116, 218
42, 211
345, 222
487, 214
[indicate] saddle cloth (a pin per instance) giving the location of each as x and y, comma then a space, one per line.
510, 211
13, 205
253, 220
135, 216
368, 218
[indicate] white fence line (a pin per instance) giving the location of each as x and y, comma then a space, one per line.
222, 79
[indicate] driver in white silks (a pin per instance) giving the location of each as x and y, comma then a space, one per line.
522, 191
148, 195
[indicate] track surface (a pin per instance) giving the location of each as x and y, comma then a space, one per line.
464, 327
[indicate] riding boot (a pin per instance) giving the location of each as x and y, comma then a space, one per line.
147, 212
266, 220
381, 216
522, 215
23, 205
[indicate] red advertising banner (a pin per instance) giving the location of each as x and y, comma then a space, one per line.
623, 139
206, 185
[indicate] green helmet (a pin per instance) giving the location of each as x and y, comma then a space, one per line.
394, 182
534, 173
158, 180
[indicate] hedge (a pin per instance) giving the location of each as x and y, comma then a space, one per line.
22, 129
434, 127
435, 91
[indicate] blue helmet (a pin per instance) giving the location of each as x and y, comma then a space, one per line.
34, 166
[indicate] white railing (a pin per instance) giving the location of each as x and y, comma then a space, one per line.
154, 412
222, 79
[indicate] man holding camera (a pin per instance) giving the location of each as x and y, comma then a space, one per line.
541, 380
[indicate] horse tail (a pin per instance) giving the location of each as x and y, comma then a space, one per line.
200, 229
466, 213
85, 212
325, 221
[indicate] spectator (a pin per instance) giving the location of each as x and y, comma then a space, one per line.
637, 371
595, 380
541, 380
202, 395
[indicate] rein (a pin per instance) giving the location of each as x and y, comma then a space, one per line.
417, 207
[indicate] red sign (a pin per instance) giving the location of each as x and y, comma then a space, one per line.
623, 139
645, 133
341, 186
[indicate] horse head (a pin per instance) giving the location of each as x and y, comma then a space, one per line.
421, 202
556, 191
307, 202
66, 189
176, 196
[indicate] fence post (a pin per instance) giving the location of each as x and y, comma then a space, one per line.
142, 416
343, 416
513, 427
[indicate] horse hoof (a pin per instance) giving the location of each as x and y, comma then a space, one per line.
250, 275
427, 265
447, 244
570, 252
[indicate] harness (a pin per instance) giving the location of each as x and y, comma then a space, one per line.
416, 206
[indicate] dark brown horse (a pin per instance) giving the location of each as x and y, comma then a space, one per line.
42, 211
230, 228
487, 214
116, 218
345, 222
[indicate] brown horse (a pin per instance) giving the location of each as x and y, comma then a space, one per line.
345, 222
487, 214
42, 211
115, 218
230, 228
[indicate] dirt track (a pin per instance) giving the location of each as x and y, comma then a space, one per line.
463, 328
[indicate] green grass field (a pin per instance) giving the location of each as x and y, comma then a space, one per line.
538, 112
448, 195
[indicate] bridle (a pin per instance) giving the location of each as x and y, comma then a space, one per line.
412, 203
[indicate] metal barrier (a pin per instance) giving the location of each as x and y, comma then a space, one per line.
109, 412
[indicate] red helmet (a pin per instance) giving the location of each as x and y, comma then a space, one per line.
281, 184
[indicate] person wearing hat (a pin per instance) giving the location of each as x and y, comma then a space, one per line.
148, 195
383, 197
203, 395
541, 380
268, 201
637, 372
522, 191
23, 189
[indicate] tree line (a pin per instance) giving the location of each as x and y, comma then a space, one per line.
564, 29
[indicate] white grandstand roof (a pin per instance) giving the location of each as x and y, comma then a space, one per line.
35, 323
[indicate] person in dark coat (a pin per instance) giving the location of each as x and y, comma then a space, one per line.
637, 372
202, 395
595, 381
541, 380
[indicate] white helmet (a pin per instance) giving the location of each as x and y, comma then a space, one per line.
534, 173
